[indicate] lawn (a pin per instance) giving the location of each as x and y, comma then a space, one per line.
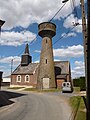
15, 88
78, 108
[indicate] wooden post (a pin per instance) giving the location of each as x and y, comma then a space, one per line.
88, 62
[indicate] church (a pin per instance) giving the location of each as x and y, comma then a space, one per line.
47, 73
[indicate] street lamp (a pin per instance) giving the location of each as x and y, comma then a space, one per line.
1, 24
65, 1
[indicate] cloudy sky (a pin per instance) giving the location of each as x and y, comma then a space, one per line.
22, 18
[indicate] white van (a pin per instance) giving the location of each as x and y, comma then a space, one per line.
67, 87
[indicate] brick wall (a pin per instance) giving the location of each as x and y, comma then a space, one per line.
32, 82
59, 82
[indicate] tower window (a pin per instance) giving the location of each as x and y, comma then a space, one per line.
46, 40
46, 61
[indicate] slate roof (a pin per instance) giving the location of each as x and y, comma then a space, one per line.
63, 65
26, 69
60, 66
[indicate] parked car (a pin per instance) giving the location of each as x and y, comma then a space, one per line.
67, 87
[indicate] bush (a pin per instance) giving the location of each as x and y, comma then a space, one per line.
76, 82
80, 82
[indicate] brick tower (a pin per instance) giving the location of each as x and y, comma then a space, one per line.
46, 74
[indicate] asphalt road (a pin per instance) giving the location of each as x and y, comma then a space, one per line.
36, 106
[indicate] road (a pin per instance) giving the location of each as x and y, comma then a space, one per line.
36, 106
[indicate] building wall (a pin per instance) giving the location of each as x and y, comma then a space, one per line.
68, 78
33, 79
32, 82
6, 79
59, 82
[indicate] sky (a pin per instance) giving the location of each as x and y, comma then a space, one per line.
22, 18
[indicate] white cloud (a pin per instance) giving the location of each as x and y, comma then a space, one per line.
6, 70
25, 12
72, 34
36, 61
70, 51
6, 64
7, 73
78, 70
15, 38
37, 51
7, 60
70, 22
56, 59
79, 63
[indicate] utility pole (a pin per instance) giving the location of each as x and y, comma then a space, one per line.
11, 68
84, 29
86, 54
88, 61
11, 65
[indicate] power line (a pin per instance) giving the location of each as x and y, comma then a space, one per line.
57, 12
50, 20
46, 25
44, 28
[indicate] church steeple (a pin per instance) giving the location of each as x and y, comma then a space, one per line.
27, 49
26, 58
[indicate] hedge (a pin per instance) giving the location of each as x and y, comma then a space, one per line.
80, 82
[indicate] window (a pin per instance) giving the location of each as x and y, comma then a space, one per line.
46, 61
27, 78
19, 78
46, 40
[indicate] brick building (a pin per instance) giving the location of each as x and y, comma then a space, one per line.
26, 74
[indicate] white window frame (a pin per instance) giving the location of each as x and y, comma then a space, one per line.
19, 78
26, 78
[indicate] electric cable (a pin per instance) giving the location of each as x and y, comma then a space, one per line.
49, 21
45, 26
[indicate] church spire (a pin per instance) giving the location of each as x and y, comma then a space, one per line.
26, 58
27, 49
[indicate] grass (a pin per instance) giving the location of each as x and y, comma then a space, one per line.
36, 90
30, 89
76, 89
15, 88
78, 105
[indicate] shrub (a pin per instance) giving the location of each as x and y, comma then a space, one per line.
80, 82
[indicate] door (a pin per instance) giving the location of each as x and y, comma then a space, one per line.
45, 83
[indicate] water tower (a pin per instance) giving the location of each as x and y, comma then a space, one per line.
46, 74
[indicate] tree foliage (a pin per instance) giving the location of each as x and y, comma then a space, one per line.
80, 82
